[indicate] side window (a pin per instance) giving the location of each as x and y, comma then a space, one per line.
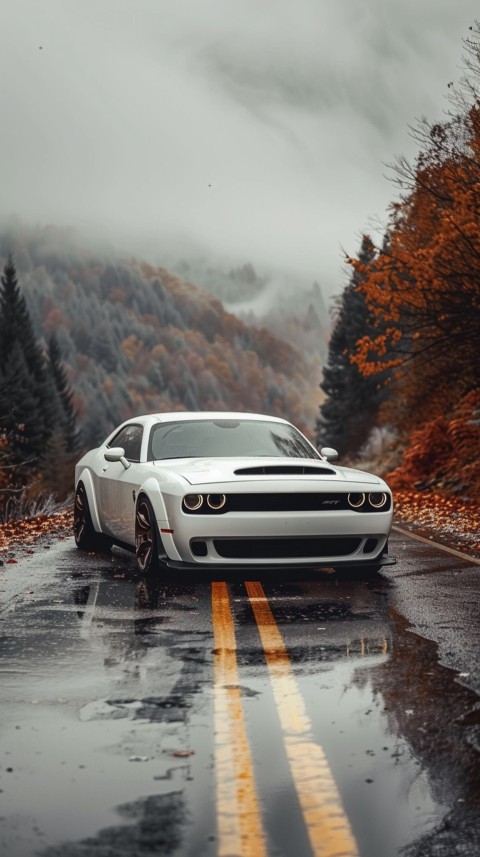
130, 437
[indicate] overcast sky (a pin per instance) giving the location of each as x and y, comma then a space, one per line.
253, 130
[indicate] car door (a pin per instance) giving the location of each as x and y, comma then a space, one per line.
118, 485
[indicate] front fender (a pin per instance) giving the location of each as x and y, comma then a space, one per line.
152, 489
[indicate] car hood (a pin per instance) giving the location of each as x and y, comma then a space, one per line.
201, 471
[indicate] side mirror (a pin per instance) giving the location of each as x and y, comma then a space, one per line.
116, 453
328, 453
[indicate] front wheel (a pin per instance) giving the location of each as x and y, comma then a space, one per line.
85, 534
147, 541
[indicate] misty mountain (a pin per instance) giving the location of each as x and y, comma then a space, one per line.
137, 338
289, 306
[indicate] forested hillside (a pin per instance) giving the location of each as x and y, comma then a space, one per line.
136, 338
414, 347
290, 306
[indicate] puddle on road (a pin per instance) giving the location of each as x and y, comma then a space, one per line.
99, 725
109, 681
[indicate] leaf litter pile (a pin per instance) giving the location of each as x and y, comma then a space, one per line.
449, 520
26, 532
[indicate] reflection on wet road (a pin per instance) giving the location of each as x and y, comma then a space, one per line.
326, 823
294, 717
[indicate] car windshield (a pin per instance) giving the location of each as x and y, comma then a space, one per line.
227, 438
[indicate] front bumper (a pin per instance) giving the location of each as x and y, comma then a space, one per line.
328, 538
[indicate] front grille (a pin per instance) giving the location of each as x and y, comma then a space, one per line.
286, 502
312, 547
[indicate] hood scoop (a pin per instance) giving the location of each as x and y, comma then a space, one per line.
285, 470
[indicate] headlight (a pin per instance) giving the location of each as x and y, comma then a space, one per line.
216, 501
378, 499
356, 501
192, 502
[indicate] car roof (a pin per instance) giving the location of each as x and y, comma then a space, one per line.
175, 416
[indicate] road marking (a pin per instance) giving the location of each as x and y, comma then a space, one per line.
240, 830
435, 544
327, 824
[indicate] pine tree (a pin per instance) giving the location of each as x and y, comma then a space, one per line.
15, 323
348, 413
65, 396
20, 413
32, 400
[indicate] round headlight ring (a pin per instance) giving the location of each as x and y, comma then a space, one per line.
356, 501
193, 502
378, 499
216, 501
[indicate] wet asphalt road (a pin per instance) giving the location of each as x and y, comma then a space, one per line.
287, 715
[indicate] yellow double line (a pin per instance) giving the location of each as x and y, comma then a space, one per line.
240, 828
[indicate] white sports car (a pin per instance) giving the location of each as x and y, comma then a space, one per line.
228, 489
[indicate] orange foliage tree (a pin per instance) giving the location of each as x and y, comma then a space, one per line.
423, 288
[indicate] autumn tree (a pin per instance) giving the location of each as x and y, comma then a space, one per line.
424, 291
430, 296
352, 399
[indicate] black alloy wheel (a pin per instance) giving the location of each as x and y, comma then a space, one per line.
146, 537
85, 534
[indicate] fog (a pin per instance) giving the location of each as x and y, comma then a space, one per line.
242, 130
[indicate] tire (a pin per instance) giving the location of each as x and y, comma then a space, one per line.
85, 534
147, 541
